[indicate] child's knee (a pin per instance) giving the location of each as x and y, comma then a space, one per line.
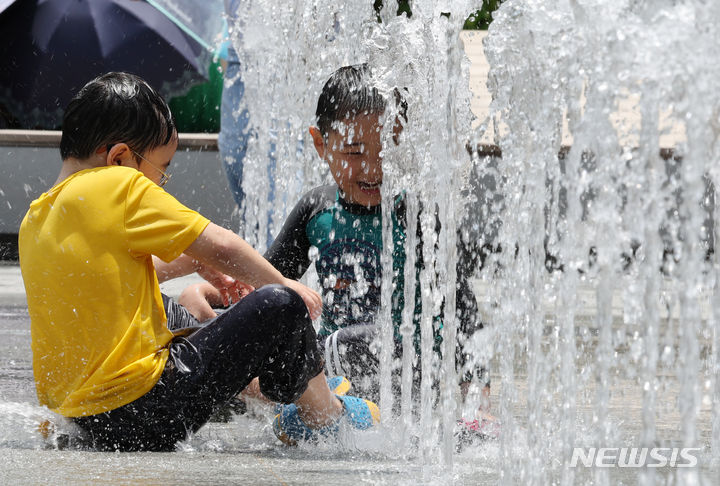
283, 308
282, 297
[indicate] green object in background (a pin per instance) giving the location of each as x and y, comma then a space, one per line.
479, 20
403, 7
198, 111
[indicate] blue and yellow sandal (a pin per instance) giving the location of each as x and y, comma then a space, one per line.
339, 385
359, 413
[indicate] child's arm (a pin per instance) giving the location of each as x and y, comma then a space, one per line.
181, 266
228, 288
224, 250
289, 253
185, 265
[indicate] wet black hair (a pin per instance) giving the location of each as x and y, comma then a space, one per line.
112, 108
349, 92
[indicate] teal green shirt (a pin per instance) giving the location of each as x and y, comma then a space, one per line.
345, 242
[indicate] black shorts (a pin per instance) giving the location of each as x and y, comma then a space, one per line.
267, 334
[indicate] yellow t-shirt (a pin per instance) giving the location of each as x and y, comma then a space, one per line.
99, 334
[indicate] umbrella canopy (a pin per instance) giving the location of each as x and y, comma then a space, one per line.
5, 4
52, 48
203, 21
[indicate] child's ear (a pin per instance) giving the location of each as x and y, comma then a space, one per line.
119, 154
318, 141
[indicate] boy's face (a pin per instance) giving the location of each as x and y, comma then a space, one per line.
353, 154
156, 162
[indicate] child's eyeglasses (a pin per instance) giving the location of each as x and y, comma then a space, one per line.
165, 177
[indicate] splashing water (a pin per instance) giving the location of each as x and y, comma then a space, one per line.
423, 58
615, 216
30, 426
287, 51
600, 305
603, 280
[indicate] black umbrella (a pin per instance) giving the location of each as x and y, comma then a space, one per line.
51, 48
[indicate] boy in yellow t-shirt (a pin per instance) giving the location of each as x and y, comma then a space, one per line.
92, 252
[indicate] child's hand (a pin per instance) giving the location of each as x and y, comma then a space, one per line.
230, 289
197, 299
232, 293
235, 292
312, 299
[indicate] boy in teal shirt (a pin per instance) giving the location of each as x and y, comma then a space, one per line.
339, 227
